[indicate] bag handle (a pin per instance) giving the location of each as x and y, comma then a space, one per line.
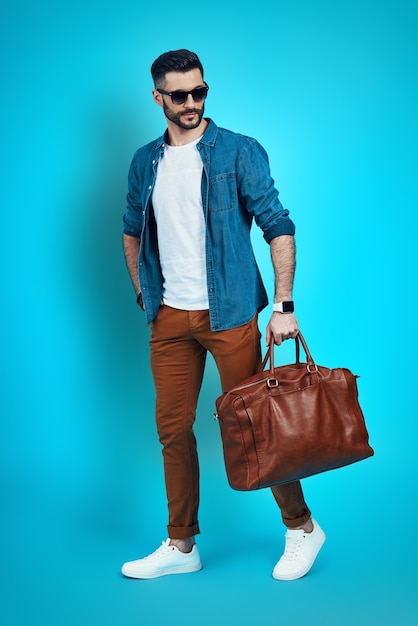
310, 363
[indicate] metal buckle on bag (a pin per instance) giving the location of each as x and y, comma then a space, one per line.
272, 382
312, 368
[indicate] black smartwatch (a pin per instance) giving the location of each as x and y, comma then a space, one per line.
287, 306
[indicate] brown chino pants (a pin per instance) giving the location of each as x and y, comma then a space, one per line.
179, 344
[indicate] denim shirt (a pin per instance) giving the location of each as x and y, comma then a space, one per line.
236, 187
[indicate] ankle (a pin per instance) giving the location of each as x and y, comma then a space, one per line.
184, 545
307, 526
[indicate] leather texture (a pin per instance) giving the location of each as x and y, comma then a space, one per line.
289, 422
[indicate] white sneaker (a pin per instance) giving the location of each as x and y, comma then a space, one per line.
300, 553
165, 560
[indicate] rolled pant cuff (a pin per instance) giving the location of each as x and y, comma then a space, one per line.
294, 523
175, 532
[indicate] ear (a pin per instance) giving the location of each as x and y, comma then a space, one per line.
158, 99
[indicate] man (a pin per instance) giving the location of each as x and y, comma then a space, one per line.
193, 194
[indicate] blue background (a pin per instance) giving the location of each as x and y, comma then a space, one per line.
330, 90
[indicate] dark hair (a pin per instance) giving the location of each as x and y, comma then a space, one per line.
174, 61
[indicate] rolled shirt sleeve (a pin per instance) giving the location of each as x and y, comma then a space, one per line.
259, 194
133, 218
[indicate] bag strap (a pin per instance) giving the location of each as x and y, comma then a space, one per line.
310, 363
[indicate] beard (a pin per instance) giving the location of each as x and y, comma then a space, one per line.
176, 117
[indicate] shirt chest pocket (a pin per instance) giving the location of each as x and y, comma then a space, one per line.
222, 192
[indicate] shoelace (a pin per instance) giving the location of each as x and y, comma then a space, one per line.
159, 552
293, 546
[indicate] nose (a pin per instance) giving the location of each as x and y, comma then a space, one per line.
189, 100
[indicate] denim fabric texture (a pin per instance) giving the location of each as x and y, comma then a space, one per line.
237, 187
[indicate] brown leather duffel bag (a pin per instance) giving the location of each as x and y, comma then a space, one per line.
289, 422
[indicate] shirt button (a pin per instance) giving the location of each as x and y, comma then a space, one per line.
149, 186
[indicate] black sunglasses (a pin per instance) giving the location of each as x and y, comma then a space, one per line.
179, 97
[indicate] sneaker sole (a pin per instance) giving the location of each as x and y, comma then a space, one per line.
303, 572
186, 569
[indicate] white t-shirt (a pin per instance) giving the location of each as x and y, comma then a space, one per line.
177, 203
